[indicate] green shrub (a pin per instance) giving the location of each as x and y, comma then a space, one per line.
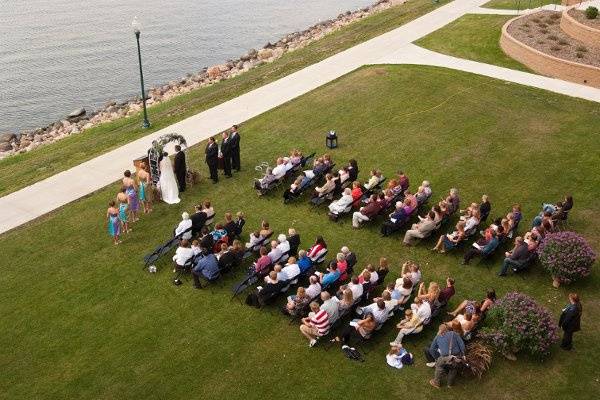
581, 49
591, 12
543, 31
579, 55
563, 42
553, 37
555, 48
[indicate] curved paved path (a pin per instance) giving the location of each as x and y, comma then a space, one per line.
395, 46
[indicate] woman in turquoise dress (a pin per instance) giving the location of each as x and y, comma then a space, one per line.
143, 183
123, 217
132, 195
114, 225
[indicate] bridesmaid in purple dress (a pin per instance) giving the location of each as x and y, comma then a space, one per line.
132, 195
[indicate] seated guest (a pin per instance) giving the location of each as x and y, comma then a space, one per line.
382, 270
295, 157
412, 271
196, 247
182, 254
229, 225
346, 302
404, 287
209, 211
237, 249
304, 262
239, 224
471, 305
445, 294
373, 276
314, 287
206, 240
265, 229
315, 325
280, 169
262, 265
485, 207
275, 253
393, 293
352, 169
278, 275
394, 187
255, 240
349, 256
291, 270
331, 306
228, 258
331, 276
343, 175
317, 250
207, 267
198, 220
219, 232
358, 329
357, 193
516, 258
296, 304
421, 230
374, 180
379, 309
266, 180
472, 220
426, 185
283, 245
421, 195
354, 286
396, 220
432, 293
482, 247
318, 168
453, 201
468, 321
343, 204
342, 266
293, 241
327, 187
369, 211
449, 241
403, 181
415, 317
185, 227
410, 202
265, 294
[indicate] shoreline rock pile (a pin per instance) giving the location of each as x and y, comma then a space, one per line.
80, 120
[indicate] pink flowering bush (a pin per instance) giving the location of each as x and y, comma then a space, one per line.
517, 323
567, 256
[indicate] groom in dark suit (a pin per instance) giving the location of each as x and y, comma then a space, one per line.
212, 158
234, 138
180, 168
226, 151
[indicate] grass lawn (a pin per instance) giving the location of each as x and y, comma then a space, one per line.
518, 4
474, 37
83, 320
25, 169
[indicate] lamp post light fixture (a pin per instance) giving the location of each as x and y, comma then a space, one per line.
331, 140
137, 27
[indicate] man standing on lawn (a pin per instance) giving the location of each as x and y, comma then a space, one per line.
234, 138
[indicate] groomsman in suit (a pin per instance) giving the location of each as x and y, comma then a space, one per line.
234, 138
180, 168
226, 152
212, 158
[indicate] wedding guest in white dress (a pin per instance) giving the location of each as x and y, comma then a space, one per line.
167, 181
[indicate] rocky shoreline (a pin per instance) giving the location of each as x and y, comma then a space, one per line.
80, 120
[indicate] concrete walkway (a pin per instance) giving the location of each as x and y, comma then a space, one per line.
393, 47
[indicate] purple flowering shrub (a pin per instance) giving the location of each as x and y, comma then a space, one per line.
566, 255
517, 323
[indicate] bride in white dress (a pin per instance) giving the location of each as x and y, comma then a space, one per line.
167, 182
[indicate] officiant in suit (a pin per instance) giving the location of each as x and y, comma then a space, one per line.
212, 158
226, 151
180, 168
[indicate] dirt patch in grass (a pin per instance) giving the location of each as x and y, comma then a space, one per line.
580, 17
542, 32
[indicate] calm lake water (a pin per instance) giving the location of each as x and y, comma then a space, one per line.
58, 55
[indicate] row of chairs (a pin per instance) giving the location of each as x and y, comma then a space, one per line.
261, 191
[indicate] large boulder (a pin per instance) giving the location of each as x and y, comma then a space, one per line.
7, 137
80, 112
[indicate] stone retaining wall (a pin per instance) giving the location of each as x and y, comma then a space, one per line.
579, 31
546, 64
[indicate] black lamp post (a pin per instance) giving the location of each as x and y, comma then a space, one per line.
136, 29
331, 140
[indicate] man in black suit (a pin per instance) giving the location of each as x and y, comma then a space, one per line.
212, 158
226, 152
234, 138
570, 321
198, 220
180, 168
